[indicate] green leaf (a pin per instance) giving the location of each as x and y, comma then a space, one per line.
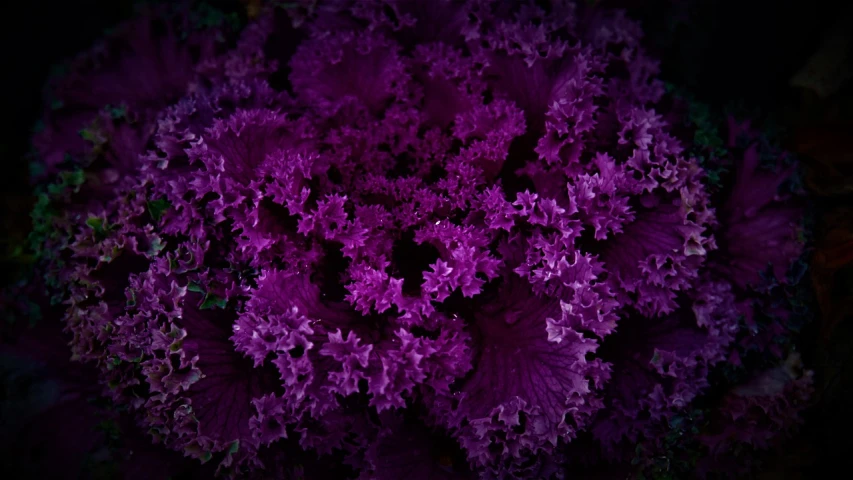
36, 169
67, 180
676, 421
194, 287
156, 208
97, 224
713, 177
157, 246
234, 448
174, 332
655, 358
117, 112
92, 134
211, 301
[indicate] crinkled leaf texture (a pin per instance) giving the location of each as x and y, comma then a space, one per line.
369, 225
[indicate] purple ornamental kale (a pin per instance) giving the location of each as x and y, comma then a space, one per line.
761, 220
374, 224
756, 412
660, 366
103, 110
105, 102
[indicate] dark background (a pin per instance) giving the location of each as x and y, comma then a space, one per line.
36, 35
722, 51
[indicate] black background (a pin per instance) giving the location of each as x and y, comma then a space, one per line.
732, 50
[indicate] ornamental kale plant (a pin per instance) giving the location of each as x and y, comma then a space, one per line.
421, 239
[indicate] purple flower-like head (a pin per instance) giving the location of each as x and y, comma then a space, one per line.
372, 224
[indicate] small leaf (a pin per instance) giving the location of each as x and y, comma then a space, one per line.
211, 301
92, 134
156, 208
234, 447
36, 169
96, 224
175, 332
655, 358
117, 112
157, 246
676, 421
